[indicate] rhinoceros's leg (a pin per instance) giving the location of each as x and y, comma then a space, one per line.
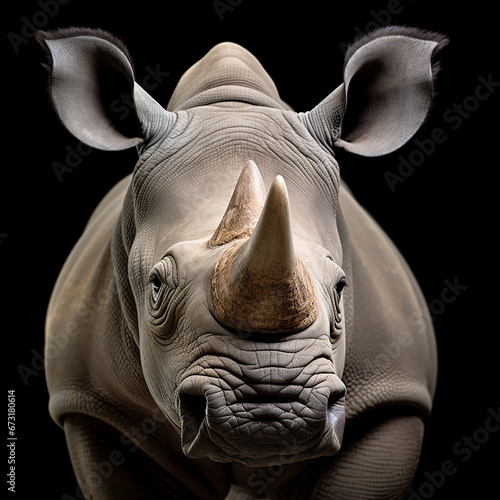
380, 463
107, 470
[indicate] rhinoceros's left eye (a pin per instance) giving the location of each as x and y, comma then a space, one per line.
155, 287
341, 284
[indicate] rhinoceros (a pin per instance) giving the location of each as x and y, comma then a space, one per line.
236, 324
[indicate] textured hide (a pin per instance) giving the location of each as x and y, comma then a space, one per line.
263, 340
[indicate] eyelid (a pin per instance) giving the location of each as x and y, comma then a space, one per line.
156, 290
338, 269
165, 270
343, 282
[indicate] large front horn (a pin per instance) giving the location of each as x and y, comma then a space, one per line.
259, 284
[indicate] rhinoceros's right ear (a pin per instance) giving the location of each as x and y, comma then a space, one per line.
92, 88
386, 94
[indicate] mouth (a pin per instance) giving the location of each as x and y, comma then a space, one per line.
268, 426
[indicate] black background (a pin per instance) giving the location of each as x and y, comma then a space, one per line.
443, 216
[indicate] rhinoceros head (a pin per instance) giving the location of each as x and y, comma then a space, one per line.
227, 253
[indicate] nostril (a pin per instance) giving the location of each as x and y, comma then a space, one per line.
195, 405
335, 411
335, 399
193, 410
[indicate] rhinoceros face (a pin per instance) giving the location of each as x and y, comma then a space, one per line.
242, 335
240, 309
234, 282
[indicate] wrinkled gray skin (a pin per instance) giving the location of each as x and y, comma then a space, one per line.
173, 404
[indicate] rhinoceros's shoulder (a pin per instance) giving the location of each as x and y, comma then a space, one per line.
91, 359
95, 237
391, 351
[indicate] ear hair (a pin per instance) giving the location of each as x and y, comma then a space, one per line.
408, 31
388, 83
72, 31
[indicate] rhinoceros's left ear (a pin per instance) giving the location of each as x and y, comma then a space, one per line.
92, 88
386, 94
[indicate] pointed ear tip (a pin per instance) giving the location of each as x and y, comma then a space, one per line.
41, 36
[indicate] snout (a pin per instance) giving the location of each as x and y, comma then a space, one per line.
275, 416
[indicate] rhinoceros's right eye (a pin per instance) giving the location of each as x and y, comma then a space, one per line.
162, 280
162, 298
